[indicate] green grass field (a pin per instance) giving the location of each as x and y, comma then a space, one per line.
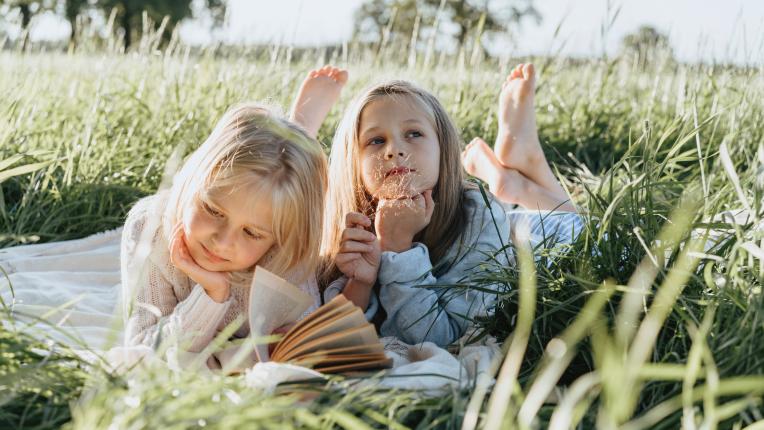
637, 326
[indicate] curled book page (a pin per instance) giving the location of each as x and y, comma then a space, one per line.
273, 302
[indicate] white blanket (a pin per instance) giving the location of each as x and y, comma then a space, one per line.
70, 291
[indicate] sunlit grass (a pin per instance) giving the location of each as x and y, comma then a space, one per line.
637, 324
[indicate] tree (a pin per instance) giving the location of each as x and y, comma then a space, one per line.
72, 9
27, 9
129, 13
645, 44
400, 17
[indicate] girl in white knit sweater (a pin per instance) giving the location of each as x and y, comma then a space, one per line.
251, 194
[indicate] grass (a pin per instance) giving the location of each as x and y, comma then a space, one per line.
634, 325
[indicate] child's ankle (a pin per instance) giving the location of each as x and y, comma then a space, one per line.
511, 186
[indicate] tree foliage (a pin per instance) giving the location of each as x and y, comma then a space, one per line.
130, 12
646, 44
454, 20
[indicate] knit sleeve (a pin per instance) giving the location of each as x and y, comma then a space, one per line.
150, 285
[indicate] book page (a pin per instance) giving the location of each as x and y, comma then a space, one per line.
365, 334
273, 302
350, 319
372, 348
310, 323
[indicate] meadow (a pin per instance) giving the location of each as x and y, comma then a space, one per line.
642, 323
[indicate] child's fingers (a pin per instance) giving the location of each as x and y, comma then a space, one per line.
177, 230
357, 234
174, 236
351, 246
390, 203
418, 203
346, 258
176, 244
179, 255
184, 252
353, 219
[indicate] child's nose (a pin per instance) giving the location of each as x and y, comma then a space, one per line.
393, 149
224, 239
390, 155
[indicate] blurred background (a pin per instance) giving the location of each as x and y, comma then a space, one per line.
690, 30
642, 107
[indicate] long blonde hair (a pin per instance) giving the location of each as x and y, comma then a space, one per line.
252, 147
347, 193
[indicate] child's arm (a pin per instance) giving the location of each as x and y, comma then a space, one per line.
416, 313
149, 281
358, 260
360, 295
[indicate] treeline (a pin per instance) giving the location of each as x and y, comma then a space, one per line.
127, 17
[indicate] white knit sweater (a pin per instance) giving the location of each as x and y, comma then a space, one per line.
167, 304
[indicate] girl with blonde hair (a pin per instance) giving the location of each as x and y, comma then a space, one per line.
401, 219
251, 194
402, 222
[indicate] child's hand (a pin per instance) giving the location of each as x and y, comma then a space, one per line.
399, 220
359, 253
216, 284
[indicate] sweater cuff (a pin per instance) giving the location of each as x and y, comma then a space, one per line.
373, 307
199, 316
335, 288
404, 267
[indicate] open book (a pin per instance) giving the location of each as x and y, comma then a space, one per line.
335, 338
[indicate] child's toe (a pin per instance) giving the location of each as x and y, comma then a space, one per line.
528, 71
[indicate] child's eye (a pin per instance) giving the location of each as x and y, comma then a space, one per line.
414, 133
376, 141
210, 210
252, 234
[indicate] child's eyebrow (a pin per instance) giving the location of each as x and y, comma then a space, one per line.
250, 225
413, 120
370, 130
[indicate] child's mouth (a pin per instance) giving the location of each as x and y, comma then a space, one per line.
211, 256
398, 171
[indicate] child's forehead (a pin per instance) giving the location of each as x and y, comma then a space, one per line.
247, 194
396, 104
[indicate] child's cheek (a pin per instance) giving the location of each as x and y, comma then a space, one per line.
430, 174
197, 224
371, 181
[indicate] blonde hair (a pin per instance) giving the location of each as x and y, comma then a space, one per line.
346, 190
252, 147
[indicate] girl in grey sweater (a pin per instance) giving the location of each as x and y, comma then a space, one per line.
401, 220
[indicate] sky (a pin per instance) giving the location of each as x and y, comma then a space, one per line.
708, 30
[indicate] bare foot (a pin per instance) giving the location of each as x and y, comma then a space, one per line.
503, 182
510, 185
517, 144
318, 93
